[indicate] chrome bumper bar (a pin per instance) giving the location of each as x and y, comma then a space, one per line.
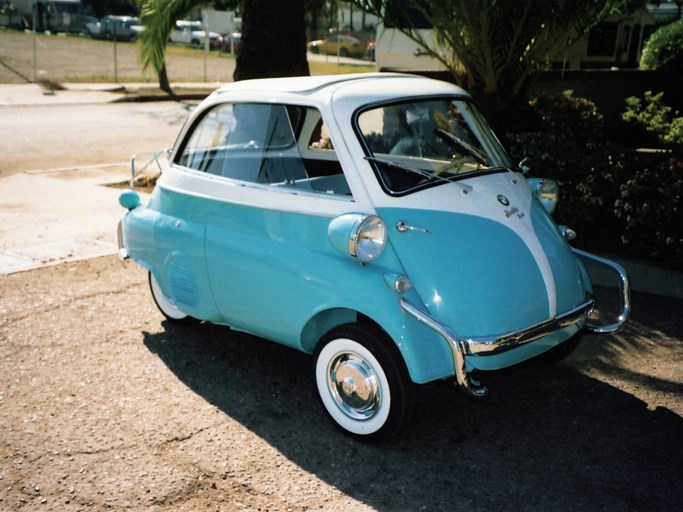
123, 253
152, 158
492, 345
624, 292
460, 347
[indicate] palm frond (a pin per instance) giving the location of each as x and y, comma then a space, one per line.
159, 17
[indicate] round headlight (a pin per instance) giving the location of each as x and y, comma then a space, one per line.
368, 238
547, 192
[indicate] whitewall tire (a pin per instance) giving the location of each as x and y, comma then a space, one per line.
167, 307
363, 384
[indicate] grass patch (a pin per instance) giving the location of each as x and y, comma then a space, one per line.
329, 68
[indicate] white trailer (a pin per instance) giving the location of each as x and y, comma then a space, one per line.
51, 15
615, 42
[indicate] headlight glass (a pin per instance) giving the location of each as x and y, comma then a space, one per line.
368, 239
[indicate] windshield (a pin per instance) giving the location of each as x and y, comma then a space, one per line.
416, 144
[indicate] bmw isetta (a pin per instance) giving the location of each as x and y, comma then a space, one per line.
372, 220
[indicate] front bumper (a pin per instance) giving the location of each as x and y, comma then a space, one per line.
461, 347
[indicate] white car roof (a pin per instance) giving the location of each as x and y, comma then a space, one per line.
345, 91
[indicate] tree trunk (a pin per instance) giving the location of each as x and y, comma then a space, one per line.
273, 40
164, 84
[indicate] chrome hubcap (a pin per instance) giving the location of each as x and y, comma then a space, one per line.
354, 386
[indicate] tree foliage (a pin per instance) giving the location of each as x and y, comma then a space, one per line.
101, 8
159, 17
492, 47
273, 37
664, 49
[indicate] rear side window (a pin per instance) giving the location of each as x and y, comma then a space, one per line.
242, 141
262, 143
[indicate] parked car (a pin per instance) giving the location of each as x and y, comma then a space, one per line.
192, 33
93, 27
232, 42
121, 28
338, 44
374, 221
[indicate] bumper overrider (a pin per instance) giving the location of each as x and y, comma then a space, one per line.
482, 346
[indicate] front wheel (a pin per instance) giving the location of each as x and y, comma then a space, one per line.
166, 305
363, 383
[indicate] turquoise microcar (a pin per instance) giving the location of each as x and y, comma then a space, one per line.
374, 221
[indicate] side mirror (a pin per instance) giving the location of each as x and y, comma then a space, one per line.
129, 199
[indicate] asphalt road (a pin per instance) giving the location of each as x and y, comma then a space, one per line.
61, 136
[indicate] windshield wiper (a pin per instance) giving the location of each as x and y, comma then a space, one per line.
417, 172
463, 146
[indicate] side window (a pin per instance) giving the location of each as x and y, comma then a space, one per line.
320, 138
260, 143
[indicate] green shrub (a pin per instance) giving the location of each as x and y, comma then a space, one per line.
617, 201
664, 49
657, 118
575, 119
649, 207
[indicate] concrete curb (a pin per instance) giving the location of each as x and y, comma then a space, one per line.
644, 277
75, 93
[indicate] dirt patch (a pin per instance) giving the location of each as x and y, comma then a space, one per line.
103, 405
142, 184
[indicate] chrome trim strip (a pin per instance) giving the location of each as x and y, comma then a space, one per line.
155, 155
624, 289
456, 345
498, 344
123, 252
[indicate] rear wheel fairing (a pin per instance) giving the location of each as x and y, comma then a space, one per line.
171, 246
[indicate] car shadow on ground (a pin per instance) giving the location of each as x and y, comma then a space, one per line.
549, 438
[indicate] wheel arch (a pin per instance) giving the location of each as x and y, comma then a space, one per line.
424, 353
323, 322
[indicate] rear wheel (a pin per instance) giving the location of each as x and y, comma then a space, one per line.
166, 305
363, 383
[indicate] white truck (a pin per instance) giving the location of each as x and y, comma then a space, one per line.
193, 33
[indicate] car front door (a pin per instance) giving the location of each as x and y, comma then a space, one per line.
275, 185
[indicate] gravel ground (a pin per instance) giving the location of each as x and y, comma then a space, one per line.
104, 406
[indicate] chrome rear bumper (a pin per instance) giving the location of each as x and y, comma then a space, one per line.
461, 347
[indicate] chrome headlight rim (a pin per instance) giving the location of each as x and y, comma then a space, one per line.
368, 238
